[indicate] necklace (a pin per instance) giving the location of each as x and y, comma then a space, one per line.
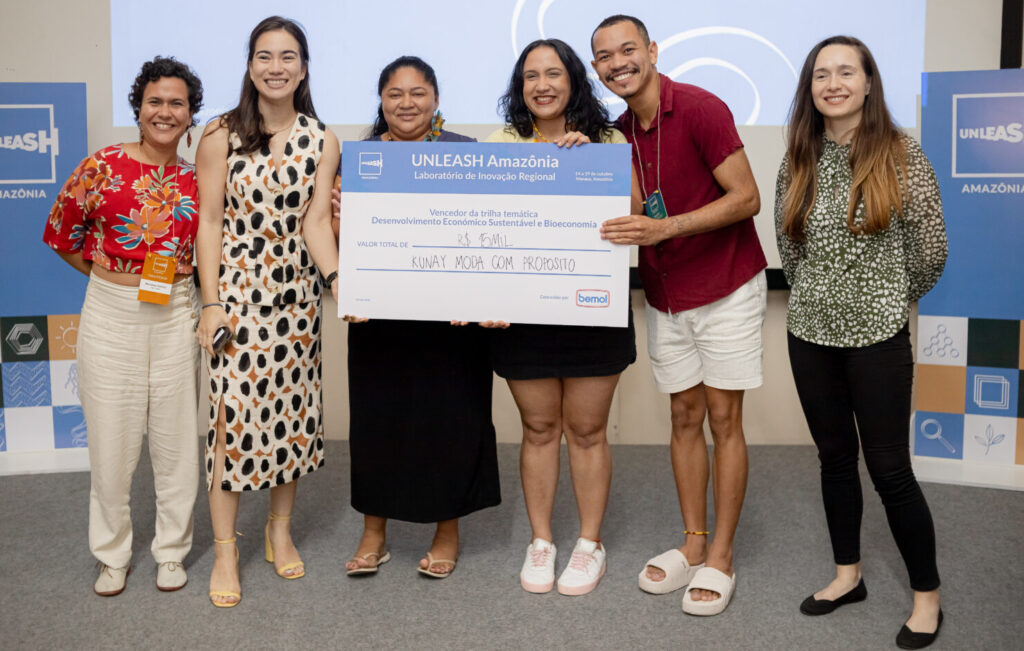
632, 132
143, 154
273, 132
537, 135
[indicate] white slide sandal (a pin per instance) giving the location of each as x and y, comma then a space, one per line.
708, 578
678, 572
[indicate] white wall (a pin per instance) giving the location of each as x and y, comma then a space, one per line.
69, 41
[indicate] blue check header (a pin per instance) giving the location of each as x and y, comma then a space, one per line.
485, 168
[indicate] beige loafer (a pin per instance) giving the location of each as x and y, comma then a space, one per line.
170, 576
111, 580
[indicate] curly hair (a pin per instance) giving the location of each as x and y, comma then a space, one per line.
584, 113
156, 70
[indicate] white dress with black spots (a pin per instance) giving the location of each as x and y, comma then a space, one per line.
268, 377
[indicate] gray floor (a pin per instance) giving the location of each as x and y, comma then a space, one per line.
782, 555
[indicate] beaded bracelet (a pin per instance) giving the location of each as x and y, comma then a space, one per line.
697, 533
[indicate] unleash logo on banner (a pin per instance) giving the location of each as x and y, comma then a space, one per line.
988, 135
29, 144
42, 139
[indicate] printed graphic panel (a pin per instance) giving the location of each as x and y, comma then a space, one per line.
939, 435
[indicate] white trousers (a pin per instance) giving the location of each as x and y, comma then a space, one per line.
138, 372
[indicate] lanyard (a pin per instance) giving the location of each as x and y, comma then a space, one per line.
654, 204
657, 156
158, 270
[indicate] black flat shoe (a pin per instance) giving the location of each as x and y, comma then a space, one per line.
908, 639
812, 606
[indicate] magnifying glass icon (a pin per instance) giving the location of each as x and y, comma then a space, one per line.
932, 429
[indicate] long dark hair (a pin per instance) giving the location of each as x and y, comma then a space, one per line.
584, 113
877, 152
380, 125
245, 119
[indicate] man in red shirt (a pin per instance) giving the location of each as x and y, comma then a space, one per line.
703, 273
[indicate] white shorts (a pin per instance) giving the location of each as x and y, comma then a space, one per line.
718, 344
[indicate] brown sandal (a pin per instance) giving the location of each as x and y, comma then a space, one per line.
431, 561
369, 569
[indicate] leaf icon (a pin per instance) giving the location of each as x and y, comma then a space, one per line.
990, 438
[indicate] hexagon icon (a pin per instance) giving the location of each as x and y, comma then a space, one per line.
24, 339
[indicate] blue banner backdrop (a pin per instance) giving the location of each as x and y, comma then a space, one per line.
970, 350
42, 138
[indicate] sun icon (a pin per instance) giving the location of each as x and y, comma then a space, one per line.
68, 337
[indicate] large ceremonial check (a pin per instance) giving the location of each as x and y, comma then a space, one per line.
475, 232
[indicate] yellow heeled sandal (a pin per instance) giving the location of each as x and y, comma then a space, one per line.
270, 551
226, 593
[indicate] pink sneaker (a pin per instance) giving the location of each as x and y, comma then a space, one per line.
585, 569
538, 573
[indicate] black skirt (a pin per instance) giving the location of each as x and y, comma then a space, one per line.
421, 437
527, 351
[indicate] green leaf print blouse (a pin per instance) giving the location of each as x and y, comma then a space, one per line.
854, 290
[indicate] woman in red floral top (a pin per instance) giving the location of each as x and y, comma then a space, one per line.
127, 218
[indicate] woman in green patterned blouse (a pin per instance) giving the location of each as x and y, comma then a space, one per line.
861, 234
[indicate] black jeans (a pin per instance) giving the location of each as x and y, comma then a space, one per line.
844, 391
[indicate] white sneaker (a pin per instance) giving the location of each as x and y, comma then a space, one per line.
538, 573
170, 576
111, 580
585, 568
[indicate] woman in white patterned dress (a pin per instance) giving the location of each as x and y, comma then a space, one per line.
270, 163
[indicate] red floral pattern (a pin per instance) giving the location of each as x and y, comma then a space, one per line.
114, 209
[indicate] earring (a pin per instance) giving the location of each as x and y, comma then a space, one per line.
141, 137
188, 139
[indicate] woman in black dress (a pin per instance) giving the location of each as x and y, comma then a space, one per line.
562, 377
421, 437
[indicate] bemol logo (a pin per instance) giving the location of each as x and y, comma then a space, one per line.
592, 298
371, 163
29, 144
988, 129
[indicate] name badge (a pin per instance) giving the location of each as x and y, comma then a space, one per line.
654, 206
157, 278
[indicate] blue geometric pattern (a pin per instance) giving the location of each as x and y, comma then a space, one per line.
990, 391
26, 384
3, 433
69, 428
